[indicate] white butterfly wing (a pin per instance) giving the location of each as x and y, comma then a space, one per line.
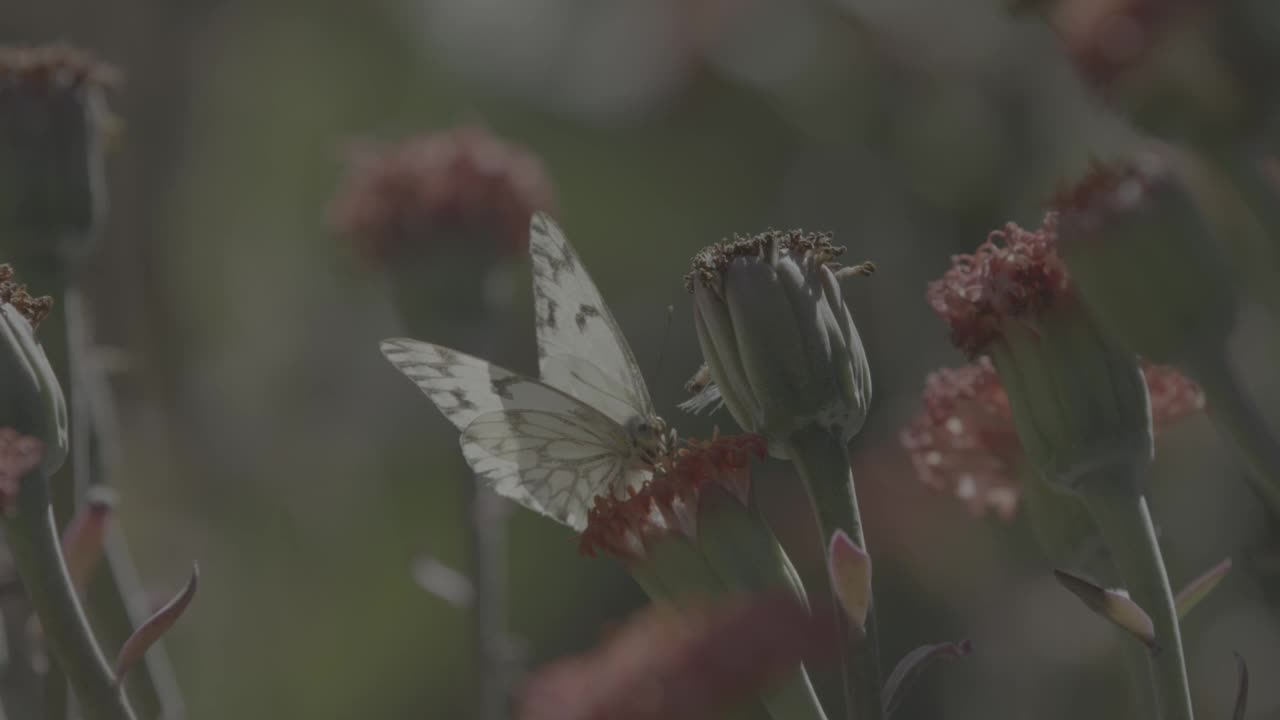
581, 350
532, 442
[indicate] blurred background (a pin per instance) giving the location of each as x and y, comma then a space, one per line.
266, 437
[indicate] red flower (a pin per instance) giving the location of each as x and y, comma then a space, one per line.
680, 664
963, 442
407, 196
668, 503
1016, 273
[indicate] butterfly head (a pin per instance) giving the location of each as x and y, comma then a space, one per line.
651, 440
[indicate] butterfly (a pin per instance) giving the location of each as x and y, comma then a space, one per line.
586, 429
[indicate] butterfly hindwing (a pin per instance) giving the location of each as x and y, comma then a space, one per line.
581, 350
558, 459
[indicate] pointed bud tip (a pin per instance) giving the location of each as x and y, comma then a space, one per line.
850, 569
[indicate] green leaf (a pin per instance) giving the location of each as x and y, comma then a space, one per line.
912, 666
1197, 589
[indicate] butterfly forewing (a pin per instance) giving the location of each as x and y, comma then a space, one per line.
534, 443
580, 347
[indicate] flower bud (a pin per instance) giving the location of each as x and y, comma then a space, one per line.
1141, 255
53, 121
31, 400
777, 336
1078, 401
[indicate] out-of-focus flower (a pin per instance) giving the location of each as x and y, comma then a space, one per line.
1146, 264
53, 123
1143, 258
31, 400
463, 190
778, 338
964, 442
1193, 71
681, 664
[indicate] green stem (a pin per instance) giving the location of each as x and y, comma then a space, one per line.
1121, 513
1069, 537
115, 598
37, 552
1237, 417
822, 461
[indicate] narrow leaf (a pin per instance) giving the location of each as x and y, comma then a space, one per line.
1242, 689
850, 569
83, 539
1197, 589
444, 582
155, 627
912, 666
1113, 605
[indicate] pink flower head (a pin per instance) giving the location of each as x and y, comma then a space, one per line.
41, 71
404, 197
964, 443
680, 664
1014, 275
669, 502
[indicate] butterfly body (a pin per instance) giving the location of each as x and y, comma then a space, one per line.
587, 428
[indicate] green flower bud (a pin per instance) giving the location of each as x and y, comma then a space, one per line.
1078, 401
778, 338
31, 399
1141, 255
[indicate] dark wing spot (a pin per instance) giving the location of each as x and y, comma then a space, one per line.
584, 312
502, 386
550, 319
461, 398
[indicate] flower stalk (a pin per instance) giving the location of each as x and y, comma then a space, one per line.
36, 545
822, 461
1079, 402
1121, 512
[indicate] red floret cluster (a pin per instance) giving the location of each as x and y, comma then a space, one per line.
668, 502
964, 443
1015, 274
